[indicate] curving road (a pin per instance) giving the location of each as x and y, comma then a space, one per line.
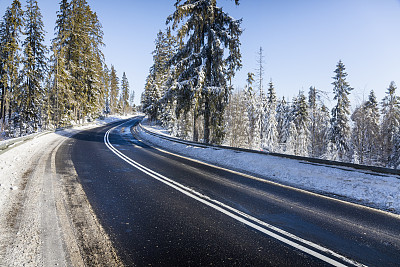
164, 210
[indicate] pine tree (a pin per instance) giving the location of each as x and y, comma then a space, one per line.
132, 99
62, 91
323, 136
270, 134
313, 98
237, 121
253, 114
10, 31
373, 129
340, 128
78, 63
282, 121
260, 71
319, 124
394, 159
114, 90
158, 76
262, 106
34, 68
106, 80
300, 119
125, 94
206, 66
390, 122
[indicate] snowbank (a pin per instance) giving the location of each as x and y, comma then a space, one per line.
363, 187
14, 162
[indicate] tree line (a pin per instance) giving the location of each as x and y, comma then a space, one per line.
189, 91
304, 126
43, 87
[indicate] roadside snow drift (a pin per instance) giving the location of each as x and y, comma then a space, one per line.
367, 188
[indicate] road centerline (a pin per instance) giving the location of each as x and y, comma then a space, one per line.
272, 231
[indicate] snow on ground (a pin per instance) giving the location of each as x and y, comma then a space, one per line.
14, 162
28, 207
371, 189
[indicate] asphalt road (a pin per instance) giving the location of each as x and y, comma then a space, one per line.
163, 210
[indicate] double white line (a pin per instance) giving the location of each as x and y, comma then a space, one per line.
270, 230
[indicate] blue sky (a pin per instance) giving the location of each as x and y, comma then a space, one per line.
302, 40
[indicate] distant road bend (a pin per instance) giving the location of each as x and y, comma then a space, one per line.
166, 210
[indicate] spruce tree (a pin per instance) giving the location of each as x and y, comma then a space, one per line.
78, 63
340, 128
373, 129
114, 90
132, 98
319, 124
313, 106
262, 106
34, 67
237, 121
253, 114
300, 118
158, 76
282, 124
62, 91
125, 94
390, 122
10, 31
270, 134
206, 66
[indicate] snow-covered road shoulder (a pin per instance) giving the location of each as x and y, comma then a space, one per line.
38, 223
374, 190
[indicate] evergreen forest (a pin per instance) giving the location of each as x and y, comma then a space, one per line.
189, 92
49, 87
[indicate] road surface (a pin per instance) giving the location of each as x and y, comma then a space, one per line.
164, 210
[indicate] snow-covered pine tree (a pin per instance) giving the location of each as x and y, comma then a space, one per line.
358, 133
253, 114
282, 124
323, 136
319, 124
390, 122
61, 91
34, 60
125, 95
114, 90
313, 98
10, 31
132, 98
237, 121
270, 134
340, 128
260, 71
300, 118
168, 101
158, 103
261, 102
365, 134
373, 130
83, 58
394, 159
206, 66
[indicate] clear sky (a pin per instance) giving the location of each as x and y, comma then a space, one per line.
302, 40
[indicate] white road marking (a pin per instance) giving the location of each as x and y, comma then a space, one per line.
236, 214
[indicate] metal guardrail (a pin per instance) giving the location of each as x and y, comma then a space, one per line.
305, 160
